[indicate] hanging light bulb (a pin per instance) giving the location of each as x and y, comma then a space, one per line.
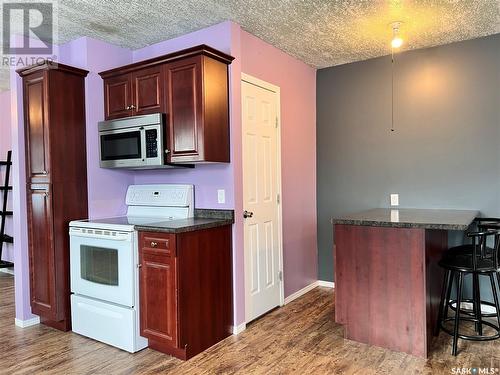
397, 41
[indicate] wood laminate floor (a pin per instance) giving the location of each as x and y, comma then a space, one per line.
300, 338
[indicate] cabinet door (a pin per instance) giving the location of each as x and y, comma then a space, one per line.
158, 296
36, 128
42, 252
117, 97
148, 90
184, 108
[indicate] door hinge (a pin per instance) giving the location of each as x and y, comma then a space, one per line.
278, 199
276, 123
280, 275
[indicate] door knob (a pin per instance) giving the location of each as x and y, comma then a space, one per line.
247, 214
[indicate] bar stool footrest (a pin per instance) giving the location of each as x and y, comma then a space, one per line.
453, 303
470, 337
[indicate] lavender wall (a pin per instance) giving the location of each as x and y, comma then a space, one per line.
5, 145
211, 177
20, 231
5, 140
107, 187
297, 82
206, 178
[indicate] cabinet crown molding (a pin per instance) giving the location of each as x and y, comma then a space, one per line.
202, 49
51, 65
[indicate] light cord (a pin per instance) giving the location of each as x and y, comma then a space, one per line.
392, 89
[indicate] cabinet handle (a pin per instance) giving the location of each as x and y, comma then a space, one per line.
46, 194
167, 151
44, 172
154, 244
139, 265
132, 106
128, 108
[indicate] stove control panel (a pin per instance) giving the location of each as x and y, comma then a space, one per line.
165, 195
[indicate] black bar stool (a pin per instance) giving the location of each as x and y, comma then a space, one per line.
476, 259
481, 224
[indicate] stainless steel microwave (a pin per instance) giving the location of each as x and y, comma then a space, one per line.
132, 142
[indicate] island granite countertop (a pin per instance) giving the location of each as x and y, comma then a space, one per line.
203, 219
411, 218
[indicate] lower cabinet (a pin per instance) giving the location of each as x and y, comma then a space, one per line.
42, 252
158, 291
186, 289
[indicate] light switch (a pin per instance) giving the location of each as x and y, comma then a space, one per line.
221, 196
394, 199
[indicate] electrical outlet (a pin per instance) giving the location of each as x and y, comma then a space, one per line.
221, 196
394, 199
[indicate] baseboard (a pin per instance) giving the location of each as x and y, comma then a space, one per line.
326, 284
239, 329
300, 292
28, 322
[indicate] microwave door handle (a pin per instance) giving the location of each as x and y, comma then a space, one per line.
143, 144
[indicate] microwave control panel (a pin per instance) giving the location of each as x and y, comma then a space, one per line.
151, 143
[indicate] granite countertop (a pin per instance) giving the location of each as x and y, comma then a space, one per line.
203, 219
411, 218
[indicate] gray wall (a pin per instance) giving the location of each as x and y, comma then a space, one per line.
444, 153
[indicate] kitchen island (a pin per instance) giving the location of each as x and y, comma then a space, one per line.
387, 280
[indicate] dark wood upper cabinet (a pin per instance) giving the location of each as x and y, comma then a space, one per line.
56, 176
117, 96
191, 88
184, 103
148, 91
185, 287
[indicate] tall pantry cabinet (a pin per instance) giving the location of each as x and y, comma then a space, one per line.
56, 177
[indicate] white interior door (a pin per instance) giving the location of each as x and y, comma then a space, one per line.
261, 188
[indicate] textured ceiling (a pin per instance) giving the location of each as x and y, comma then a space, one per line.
320, 33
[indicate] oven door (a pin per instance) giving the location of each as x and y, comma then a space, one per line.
102, 264
122, 148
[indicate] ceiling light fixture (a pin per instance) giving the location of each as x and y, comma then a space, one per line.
397, 41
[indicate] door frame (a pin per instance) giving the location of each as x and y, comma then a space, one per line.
276, 90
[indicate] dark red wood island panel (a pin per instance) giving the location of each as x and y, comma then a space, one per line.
387, 280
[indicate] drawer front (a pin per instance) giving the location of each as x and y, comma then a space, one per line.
158, 243
105, 322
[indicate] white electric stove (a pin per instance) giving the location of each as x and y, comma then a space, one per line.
104, 263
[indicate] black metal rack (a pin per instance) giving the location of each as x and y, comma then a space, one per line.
4, 213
